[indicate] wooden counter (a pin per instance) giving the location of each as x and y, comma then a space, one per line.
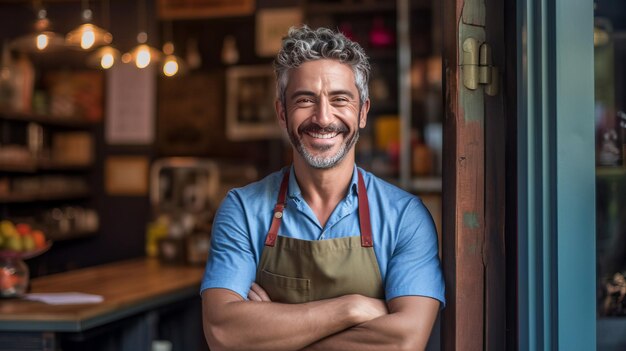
128, 287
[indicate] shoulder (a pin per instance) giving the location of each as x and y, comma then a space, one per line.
392, 203
382, 190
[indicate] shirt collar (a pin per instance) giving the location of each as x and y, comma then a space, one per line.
294, 188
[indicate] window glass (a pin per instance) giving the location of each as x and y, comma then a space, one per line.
610, 119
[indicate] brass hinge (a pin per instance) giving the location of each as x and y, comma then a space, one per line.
477, 67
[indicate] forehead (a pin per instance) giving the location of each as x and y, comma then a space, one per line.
321, 74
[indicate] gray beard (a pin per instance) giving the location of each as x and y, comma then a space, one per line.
320, 162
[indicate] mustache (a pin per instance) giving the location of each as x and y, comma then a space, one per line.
315, 128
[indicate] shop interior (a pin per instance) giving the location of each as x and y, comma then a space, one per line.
124, 123
119, 144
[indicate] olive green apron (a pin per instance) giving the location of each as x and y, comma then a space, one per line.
295, 271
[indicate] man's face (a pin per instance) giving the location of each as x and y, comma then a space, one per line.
322, 113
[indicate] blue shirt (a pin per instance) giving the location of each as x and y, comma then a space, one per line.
404, 235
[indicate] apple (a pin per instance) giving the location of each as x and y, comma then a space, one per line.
23, 228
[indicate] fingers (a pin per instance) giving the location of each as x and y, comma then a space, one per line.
260, 292
252, 296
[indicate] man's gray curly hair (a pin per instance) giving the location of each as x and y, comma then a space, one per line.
304, 44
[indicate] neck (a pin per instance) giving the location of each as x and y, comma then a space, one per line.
323, 189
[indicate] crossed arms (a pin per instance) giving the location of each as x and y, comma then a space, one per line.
350, 322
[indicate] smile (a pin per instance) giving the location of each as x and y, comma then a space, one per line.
323, 135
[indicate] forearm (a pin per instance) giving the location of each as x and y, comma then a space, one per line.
399, 330
383, 333
245, 325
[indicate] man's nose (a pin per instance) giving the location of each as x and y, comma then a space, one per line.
323, 115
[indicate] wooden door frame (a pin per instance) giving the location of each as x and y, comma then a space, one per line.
546, 242
474, 185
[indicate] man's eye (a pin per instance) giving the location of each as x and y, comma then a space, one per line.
341, 101
304, 101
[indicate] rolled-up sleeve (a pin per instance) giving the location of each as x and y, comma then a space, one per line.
231, 263
414, 268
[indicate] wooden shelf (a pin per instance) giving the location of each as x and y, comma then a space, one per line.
348, 8
21, 167
430, 184
33, 167
606, 172
50, 120
426, 185
52, 196
74, 234
50, 165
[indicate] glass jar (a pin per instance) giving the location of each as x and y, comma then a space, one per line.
14, 277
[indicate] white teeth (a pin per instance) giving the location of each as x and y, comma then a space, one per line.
323, 136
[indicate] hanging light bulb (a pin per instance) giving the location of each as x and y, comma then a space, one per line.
42, 39
143, 54
107, 61
143, 57
106, 56
172, 64
194, 59
230, 53
87, 35
170, 67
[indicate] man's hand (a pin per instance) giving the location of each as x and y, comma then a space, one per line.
406, 327
257, 293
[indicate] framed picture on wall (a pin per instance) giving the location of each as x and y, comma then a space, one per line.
250, 95
271, 26
126, 175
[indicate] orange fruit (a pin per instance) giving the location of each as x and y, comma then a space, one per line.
39, 238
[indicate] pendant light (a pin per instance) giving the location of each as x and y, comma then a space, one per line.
106, 56
88, 36
42, 39
194, 59
172, 64
143, 54
230, 53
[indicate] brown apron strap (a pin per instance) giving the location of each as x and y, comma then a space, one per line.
364, 213
270, 239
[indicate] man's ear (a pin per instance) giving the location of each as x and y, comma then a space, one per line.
280, 113
363, 113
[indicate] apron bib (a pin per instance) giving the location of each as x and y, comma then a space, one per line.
296, 271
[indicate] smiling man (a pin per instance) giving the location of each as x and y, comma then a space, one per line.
321, 255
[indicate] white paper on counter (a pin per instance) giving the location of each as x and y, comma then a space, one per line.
64, 298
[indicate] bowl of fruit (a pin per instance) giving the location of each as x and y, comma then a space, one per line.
18, 241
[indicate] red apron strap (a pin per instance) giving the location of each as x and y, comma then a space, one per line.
270, 239
364, 215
